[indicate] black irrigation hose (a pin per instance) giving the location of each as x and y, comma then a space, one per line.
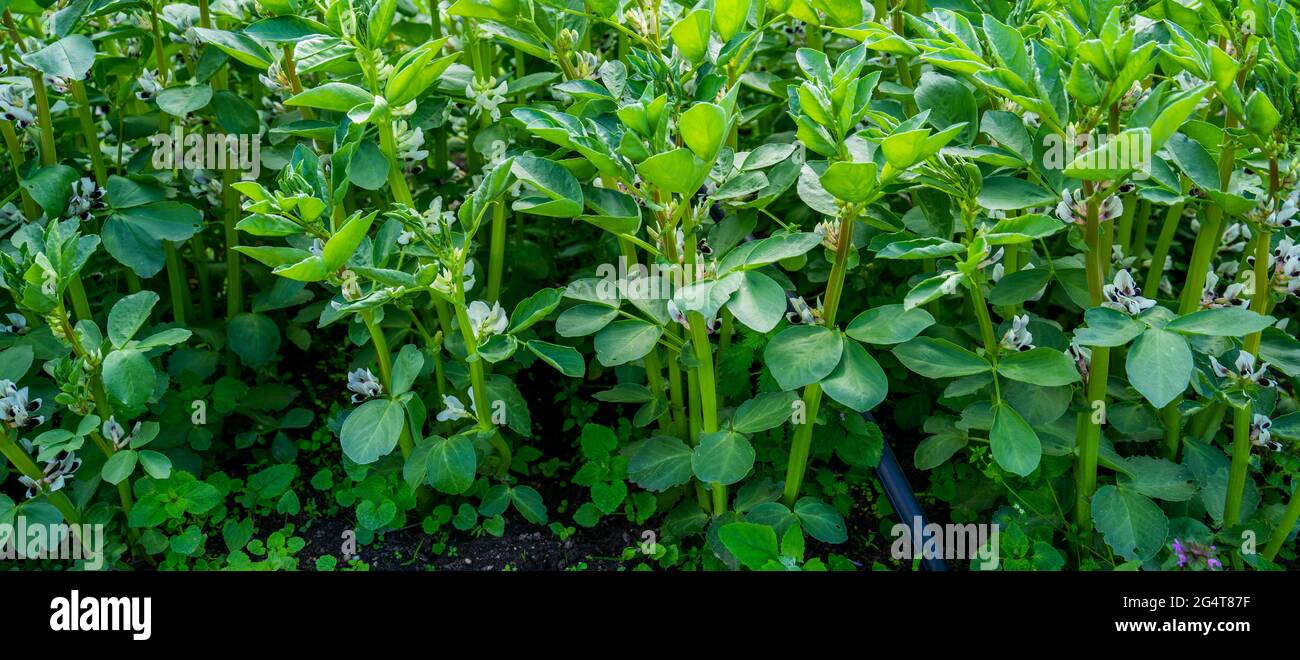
892, 478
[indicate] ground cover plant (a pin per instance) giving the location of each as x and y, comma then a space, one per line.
633, 284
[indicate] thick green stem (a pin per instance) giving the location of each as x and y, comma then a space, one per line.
180, 292
80, 304
1207, 241
801, 443
1099, 371
708, 394
1173, 420
88, 131
385, 359
16, 160
496, 261
1241, 417
1285, 526
1166, 239
478, 380
48, 154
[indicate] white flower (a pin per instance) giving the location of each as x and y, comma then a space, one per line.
275, 80
486, 321
16, 407
17, 324
830, 233
1082, 356
435, 219
443, 282
1245, 370
364, 384
409, 140
148, 84
405, 237
1261, 433
1123, 294
350, 286
53, 477
14, 106
1018, 337
1285, 216
949, 285
799, 313
453, 409
1286, 262
114, 432
1231, 296
487, 95
86, 197
1073, 208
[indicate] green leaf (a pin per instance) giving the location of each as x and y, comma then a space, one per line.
1015, 445
119, 466
803, 354
407, 366
451, 464
1006, 193
561, 195
675, 171
724, 457
368, 166
15, 361
691, 35
344, 242
1023, 229
889, 324
1043, 366
584, 319
534, 308
182, 100
928, 247
70, 57
759, 301
1159, 366
1133, 526
1221, 322
239, 46
134, 235
729, 17
1108, 328
336, 96
751, 544
858, 382
50, 187
129, 378
1157, 477
851, 182
660, 463
128, 315
703, 128
528, 502
821, 520
623, 341
416, 71
564, 358
937, 449
607, 496
949, 102
254, 338
371, 431
939, 358
1017, 287
765, 411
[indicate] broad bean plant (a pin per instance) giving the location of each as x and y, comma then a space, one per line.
682, 271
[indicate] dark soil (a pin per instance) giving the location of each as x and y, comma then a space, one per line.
523, 547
